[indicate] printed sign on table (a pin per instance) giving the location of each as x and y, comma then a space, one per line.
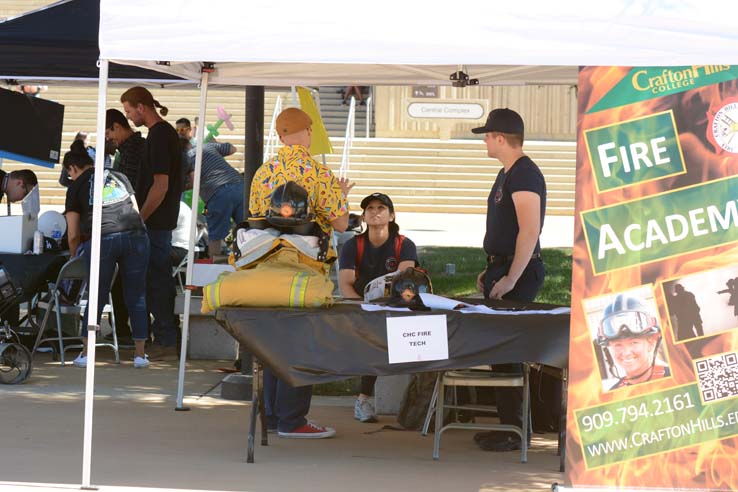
417, 338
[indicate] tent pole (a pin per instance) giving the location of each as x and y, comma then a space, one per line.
254, 136
193, 232
92, 319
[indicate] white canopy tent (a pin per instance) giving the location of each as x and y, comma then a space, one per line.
396, 43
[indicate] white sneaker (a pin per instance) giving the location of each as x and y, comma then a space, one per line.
140, 362
364, 411
80, 361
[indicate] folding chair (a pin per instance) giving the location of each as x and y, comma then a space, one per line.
73, 270
477, 377
181, 268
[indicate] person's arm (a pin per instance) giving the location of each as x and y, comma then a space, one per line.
528, 211
73, 232
156, 195
340, 224
346, 279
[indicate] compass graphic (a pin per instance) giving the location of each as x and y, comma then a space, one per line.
724, 127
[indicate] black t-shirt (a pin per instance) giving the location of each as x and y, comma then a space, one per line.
375, 262
162, 155
502, 221
118, 213
3, 174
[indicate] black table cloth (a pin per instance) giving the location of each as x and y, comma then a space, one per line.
309, 346
32, 272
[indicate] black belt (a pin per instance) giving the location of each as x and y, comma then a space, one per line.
504, 258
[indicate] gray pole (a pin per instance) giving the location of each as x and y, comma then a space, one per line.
253, 158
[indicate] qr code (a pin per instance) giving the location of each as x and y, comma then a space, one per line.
718, 376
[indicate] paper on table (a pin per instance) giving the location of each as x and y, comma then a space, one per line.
482, 309
439, 302
377, 307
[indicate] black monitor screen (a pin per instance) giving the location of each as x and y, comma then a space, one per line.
30, 128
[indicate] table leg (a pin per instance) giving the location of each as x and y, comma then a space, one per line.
262, 407
256, 396
562, 423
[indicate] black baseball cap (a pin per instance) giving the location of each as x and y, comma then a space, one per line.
502, 120
378, 196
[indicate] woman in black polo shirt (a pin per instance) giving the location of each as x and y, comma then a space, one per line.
123, 241
379, 250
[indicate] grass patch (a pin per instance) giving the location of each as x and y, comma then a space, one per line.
469, 262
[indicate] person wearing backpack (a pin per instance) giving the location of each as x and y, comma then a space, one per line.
377, 251
123, 242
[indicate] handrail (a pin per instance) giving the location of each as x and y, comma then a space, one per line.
369, 112
348, 140
272, 139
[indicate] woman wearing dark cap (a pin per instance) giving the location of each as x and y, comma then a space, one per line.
123, 241
377, 251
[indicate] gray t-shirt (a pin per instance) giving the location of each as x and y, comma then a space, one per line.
216, 171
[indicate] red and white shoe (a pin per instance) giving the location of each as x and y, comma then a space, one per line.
309, 431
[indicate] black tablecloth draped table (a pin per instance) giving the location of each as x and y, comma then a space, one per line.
32, 272
309, 346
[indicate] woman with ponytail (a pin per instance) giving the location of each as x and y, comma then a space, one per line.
379, 250
123, 241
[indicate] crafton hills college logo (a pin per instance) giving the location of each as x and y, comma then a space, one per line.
722, 130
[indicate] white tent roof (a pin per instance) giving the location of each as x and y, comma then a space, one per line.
290, 42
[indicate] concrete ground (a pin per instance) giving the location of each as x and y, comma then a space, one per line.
140, 442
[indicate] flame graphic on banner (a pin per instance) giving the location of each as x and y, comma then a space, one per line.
710, 465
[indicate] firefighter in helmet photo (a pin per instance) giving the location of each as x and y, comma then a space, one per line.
629, 337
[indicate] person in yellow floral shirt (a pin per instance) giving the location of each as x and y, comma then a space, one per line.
293, 162
286, 407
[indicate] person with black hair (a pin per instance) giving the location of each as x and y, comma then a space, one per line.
17, 184
130, 144
64, 179
158, 190
123, 241
377, 251
184, 128
221, 188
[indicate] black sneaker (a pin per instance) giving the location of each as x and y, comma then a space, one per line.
509, 444
494, 436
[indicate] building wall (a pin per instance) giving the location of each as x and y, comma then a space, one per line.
549, 112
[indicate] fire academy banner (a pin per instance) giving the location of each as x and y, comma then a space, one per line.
653, 381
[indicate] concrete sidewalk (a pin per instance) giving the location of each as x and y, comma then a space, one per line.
457, 229
140, 442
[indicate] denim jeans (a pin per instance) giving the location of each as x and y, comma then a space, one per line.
286, 407
130, 251
225, 205
160, 290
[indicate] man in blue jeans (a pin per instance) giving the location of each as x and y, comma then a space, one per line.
221, 188
158, 190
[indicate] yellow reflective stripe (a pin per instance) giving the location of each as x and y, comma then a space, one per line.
297, 290
212, 295
207, 297
216, 293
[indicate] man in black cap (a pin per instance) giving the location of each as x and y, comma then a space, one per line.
515, 210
